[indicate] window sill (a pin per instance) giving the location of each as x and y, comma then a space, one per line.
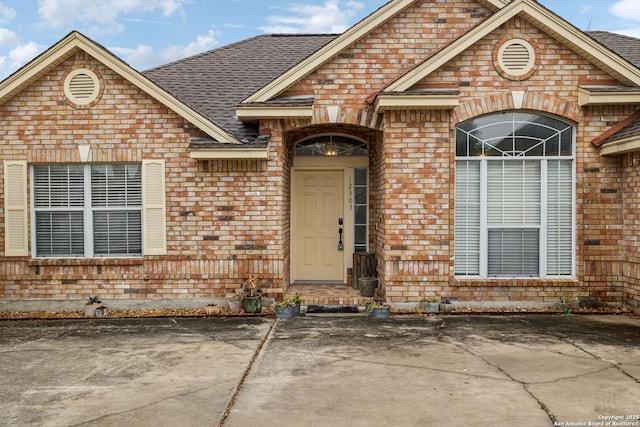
86, 261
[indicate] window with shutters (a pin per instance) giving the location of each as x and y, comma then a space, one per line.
514, 196
83, 210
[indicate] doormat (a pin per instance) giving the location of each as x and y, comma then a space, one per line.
316, 308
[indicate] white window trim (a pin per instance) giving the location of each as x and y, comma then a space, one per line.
88, 210
484, 228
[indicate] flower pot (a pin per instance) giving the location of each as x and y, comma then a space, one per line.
368, 286
379, 313
288, 311
235, 305
252, 304
101, 311
431, 307
90, 309
446, 307
211, 310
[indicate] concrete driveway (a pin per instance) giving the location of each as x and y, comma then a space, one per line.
537, 370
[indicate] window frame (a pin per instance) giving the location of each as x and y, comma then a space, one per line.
88, 210
484, 226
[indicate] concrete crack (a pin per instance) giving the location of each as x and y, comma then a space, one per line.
234, 397
524, 385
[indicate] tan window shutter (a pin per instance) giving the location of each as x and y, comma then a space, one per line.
15, 208
154, 207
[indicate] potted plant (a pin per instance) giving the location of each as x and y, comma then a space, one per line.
446, 306
91, 306
430, 304
376, 308
212, 309
252, 298
367, 286
565, 305
289, 307
235, 303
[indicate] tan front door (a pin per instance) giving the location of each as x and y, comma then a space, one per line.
318, 203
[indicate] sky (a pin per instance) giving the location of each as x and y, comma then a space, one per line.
147, 33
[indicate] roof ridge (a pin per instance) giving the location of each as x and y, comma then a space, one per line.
611, 33
236, 44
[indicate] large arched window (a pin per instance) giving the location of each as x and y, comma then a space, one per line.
514, 196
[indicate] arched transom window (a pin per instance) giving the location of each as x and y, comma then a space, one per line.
331, 145
514, 196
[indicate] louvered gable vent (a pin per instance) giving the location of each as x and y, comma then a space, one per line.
81, 87
516, 58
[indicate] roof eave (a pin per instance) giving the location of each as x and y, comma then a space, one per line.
248, 113
386, 102
241, 153
588, 97
622, 146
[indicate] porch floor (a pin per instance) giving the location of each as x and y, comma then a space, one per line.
326, 294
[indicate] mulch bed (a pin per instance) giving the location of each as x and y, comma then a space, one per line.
269, 311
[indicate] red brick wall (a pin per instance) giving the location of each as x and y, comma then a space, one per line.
631, 228
224, 218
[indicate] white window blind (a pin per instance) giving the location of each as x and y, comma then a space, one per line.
59, 210
116, 199
559, 217
467, 218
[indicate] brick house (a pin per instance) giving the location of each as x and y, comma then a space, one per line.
483, 150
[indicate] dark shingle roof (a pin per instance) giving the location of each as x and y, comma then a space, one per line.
625, 46
215, 82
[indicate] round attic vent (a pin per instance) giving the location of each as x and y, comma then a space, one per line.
81, 87
516, 59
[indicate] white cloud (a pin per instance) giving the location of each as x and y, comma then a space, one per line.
627, 9
101, 16
631, 32
23, 53
7, 14
8, 38
143, 57
333, 16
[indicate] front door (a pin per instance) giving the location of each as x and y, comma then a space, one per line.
317, 207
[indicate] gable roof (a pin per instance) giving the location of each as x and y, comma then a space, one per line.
74, 42
311, 63
214, 82
615, 64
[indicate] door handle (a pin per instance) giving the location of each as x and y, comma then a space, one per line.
340, 244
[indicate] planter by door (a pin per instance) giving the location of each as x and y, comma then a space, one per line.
252, 304
288, 311
235, 305
90, 309
379, 313
368, 286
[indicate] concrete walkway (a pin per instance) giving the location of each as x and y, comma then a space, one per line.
539, 370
